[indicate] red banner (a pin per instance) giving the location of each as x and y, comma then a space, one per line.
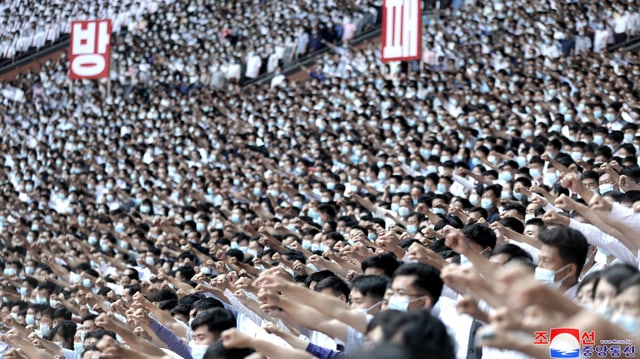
401, 30
90, 49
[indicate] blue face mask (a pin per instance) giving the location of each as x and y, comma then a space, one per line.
403, 211
606, 187
551, 178
486, 203
626, 322
442, 188
548, 276
535, 173
307, 244
576, 156
23, 291
517, 196
235, 218
474, 199
86, 282
400, 303
198, 351
412, 229
405, 188
372, 236
598, 140
439, 210
505, 176
10, 272
150, 261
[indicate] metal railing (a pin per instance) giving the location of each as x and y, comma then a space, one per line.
630, 44
310, 59
26, 58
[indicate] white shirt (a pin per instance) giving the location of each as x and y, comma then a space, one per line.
620, 24
608, 242
277, 80
600, 40
572, 292
458, 325
626, 216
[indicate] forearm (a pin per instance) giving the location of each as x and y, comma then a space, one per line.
511, 234
598, 238
325, 304
607, 227
170, 339
272, 350
313, 319
138, 344
31, 350
294, 341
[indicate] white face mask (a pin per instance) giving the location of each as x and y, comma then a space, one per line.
547, 276
198, 350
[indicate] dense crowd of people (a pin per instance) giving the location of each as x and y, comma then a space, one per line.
459, 207
237, 39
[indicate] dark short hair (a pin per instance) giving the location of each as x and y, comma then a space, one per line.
217, 320
99, 334
387, 262
427, 278
372, 285
572, 246
218, 351
630, 282
337, 286
513, 223
318, 276
615, 275
513, 252
481, 234
206, 304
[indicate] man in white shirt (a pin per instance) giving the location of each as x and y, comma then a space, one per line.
562, 256
600, 38
620, 26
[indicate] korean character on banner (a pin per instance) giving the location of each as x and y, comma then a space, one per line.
89, 50
629, 351
615, 351
587, 351
601, 351
541, 338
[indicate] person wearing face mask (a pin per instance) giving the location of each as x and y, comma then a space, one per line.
489, 202
627, 306
607, 287
476, 238
207, 327
562, 256
367, 293
63, 335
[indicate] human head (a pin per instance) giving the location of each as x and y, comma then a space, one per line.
208, 325
415, 286
367, 292
481, 236
218, 351
506, 253
382, 264
333, 286
607, 286
563, 251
